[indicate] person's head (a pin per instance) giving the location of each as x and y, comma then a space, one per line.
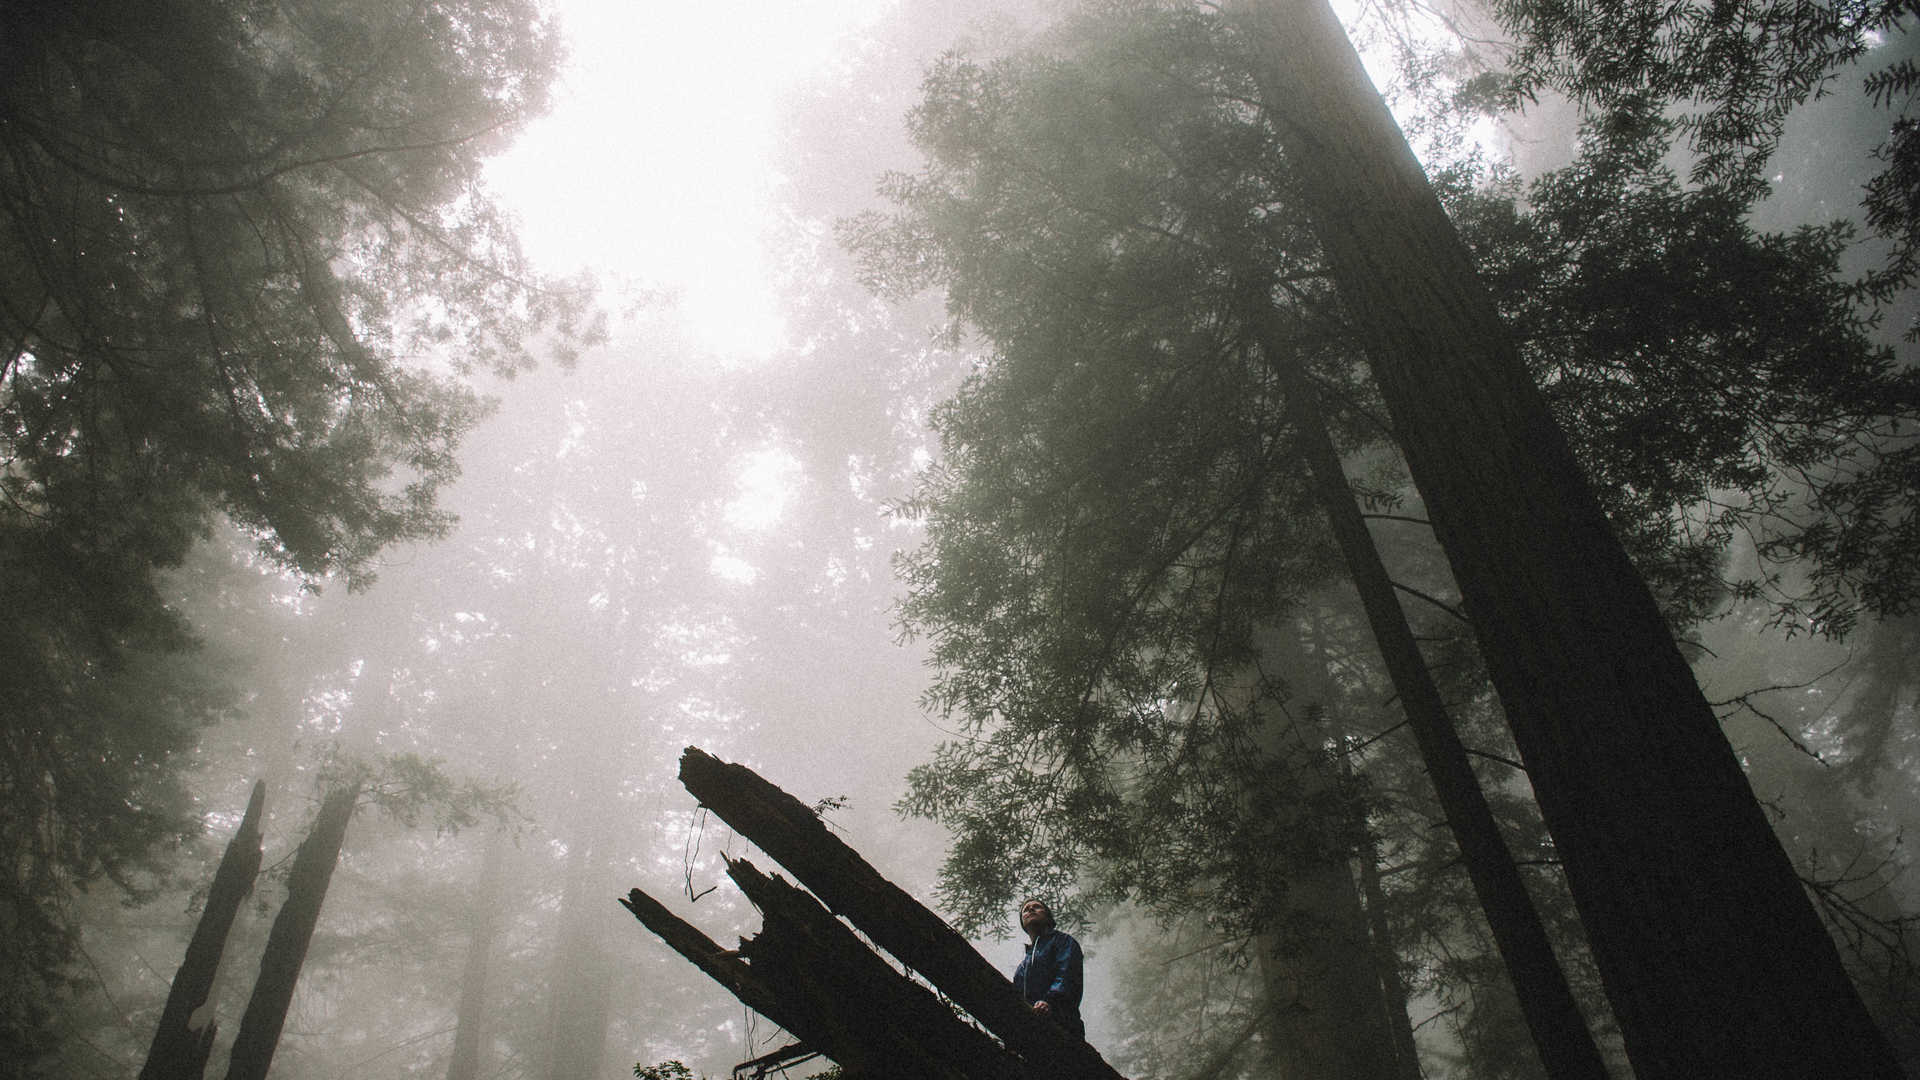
1036, 917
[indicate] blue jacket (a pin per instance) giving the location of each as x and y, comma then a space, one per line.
1051, 971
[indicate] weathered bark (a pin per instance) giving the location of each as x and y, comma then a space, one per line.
1560, 1032
876, 1020
184, 1038
808, 973
787, 830
286, 951
723, 966
470, 1021
1712, 955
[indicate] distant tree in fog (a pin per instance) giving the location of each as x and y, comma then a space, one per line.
229, 233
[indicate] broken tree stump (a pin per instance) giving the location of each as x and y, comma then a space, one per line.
184, 1037
792, 835
801, 944
809, 973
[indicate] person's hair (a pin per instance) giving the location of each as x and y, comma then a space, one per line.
1043, 903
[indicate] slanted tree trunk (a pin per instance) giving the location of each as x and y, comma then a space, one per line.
470, 1023
785, 829
1560, 1032
184, 1037
808, 973
286, 951
1712, 955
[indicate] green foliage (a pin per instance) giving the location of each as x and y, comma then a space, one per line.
1123, 563
1732, 71
1715, 382
1118, 511
406, 786
228, 234
665, 1070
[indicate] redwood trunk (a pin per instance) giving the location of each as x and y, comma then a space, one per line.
580, 982
287, 941
470, 1023
1714, 959
1326, 1020
1560, 1032
179, 1050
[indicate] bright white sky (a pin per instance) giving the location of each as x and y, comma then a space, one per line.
654, 164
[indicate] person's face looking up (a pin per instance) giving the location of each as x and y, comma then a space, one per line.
1034, 917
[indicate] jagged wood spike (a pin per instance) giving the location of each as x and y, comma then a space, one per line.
180, 1050
723, 966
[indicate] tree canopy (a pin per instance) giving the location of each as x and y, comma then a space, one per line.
244, 252
1119, 516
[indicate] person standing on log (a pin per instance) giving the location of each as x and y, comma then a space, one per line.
1049, 975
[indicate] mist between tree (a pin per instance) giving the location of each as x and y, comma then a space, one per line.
1429, 600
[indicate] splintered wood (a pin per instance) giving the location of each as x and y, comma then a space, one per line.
810, 973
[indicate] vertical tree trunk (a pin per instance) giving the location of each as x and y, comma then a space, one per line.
1393, 989
1326, 1021
1560, 1032
185, 1035
470, 1022
286, 951
580, 985
1712, 955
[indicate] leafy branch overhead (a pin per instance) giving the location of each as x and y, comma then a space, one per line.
246, 256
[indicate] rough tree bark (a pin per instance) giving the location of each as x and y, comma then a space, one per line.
808, 973
803, 945
794, 837
1559, 1030
286, 951
1714, 959
180, 1045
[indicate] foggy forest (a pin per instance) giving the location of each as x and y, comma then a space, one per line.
569, 539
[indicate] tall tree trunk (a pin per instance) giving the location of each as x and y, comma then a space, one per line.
470, 1022
1321, 988
1323, 999
580, 984
185, 1036
1393, 989
286, 951
1712, 955
1560, 1032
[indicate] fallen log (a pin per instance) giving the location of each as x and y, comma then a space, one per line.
891, 1021
790, 833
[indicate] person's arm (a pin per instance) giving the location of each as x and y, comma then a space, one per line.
1068, 977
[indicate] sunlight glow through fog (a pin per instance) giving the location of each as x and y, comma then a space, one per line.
765, 487
654, 164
